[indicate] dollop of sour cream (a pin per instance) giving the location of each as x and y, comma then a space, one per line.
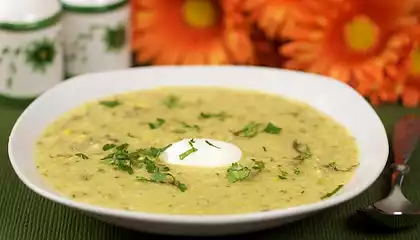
201, 152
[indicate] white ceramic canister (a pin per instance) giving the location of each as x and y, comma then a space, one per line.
96, 35
31, 56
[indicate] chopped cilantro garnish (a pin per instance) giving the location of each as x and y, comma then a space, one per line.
159, 122
303, 150
250, 130
237, 172
333, 166
123, 159
166, 178
265, 149
153, 151
211, 144
182, 156
258, 165
186, 125
333, 192
283, 175
81, 155
110, 104
172, 101
221, 116
296, 171
272, 129
107, 147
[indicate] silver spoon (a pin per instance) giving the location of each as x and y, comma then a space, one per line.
396, 211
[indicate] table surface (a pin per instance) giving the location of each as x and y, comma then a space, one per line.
27, 216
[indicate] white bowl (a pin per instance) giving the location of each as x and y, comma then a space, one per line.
327, 95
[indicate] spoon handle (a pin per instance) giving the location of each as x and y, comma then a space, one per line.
406, 136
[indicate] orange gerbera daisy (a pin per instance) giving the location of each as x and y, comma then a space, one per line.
352, 41
275, 17
266, 53
191, 32
406, 75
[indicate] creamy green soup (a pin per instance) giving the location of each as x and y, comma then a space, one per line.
107, 152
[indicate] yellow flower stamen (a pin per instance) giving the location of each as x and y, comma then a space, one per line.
200, 13
361, 33
415, 62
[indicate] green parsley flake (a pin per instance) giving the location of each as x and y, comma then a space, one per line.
110, 104
211, 144
172, 101
283, 175
188, 126
159, 122
123, 159
272, 129
258, 165
249, 131
333, 192
333, 166
303, 150
221, 116
237, 172
81, 155
164, 178
182, 156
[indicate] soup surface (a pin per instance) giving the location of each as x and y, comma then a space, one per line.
107, 152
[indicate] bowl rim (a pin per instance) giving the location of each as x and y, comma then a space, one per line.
219, 219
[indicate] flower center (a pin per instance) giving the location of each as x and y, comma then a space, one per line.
415, 62
43, 55
361, 33
200, 13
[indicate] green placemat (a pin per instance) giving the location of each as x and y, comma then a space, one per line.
27, 216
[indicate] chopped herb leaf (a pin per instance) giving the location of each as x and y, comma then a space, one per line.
258, 165
107, 147
250, 130
153, 151
303, 150
124, 160
211, 144
165, 178
221, 116
110, 104
283, 175
237, 172
172, 101
333, 192
333, 166
81, 155
123, 146
186, 125
130, 135
182, 156
265, 149
296, 171
272, 129
159, 122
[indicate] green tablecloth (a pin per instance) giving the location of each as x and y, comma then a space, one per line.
27, 216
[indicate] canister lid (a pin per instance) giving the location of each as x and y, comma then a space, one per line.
27, 11
91, 3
